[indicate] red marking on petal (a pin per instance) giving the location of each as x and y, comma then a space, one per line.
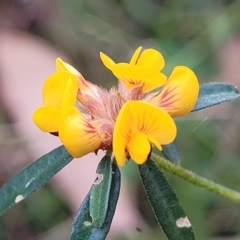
131, 81
168, 91
169, 103
167, 99
89, 128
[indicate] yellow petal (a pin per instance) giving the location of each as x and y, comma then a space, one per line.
47, 118
155, 142
107, 61
151, 59
55, 86
83, 84
78, 136
143, 117
69, 97
180, 93
135, 56
62, 66
134, 76
140, 153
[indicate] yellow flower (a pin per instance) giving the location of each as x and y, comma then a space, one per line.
59, 92
129, 119
60, 116
179, 94
143, 70
137, 126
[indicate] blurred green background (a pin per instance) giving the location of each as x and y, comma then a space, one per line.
187, 32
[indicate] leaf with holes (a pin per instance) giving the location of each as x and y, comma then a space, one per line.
83, 227
33, 177
100, 191
165, 204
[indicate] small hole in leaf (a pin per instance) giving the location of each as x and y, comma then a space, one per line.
19, 198
99, 178
183, 222
87, 223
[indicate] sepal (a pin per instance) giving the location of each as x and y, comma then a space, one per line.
170, 151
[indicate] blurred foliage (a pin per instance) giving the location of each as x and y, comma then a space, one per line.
187, 32
199, 143
37, 214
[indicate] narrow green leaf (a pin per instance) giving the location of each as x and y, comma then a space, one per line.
214, 93
100, 192
83, 227
165, 204
32, 177
170, 151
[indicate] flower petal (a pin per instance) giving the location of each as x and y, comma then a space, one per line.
69, 96
134, 76
107, 61
55, 86
141, 117
62, 66
135, 56
77, 135
84, 86
180, 93
151, 59
139, 147
47, 118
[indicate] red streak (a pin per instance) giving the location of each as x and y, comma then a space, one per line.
167, 99
168, 91
169, 103
89, 128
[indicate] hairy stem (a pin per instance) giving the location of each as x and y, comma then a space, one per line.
195, 179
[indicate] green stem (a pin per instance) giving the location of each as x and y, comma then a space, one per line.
195, 179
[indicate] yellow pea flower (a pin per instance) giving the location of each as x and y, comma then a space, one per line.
59, 93
129, 119
180, 91
179, 94
143, 70
85, 87
140, 124
59, 116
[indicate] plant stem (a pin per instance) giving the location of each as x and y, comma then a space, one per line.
195, 179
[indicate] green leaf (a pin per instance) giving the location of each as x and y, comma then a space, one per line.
214, 93
32, 177
100, 192
165, 204
170, 151
83, 227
